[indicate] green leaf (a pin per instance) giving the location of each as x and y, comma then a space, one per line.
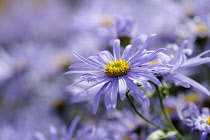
160, 134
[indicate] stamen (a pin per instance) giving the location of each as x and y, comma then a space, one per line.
194, 97
208, 120
117, 68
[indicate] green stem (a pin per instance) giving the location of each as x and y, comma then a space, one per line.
168, 120
132, 105
152, 107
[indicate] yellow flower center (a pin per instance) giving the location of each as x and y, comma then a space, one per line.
107, 21
117, 68
201, 28
127, 138
194, 97
169, 110
154, 61
208, 121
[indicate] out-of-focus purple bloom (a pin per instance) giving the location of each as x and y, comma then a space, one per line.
198, 121
180, 62
41, 21
67, 134
123, 27
114, 73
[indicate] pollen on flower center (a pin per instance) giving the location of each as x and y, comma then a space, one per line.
117, 68
208, 120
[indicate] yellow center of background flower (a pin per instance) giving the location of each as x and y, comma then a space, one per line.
117, 68
194, 97
107, 21
127, 138
208, 121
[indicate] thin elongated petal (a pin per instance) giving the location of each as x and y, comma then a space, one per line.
194, 62
74, 84
80, 65
107, 100
53, 132
152, 56
133, 47
137, 90
178, 63
204, 135
86, 61
97, 59
177, 80
77, 72
125, 52
116, 49
203, 53
97, 98
144, 83
90, 88
72, 128
148, 58
114, 93
151, 78
195, 84
105, 56
39, 136
122, 87
144, 46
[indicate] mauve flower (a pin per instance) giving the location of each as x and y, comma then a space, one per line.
180, 62
117, 73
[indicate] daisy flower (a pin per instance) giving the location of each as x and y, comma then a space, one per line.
199, 121
180, 62
119, 72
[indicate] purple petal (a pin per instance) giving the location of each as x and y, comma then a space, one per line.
151, 78
114, 94
177, 80
97, 98
136, 55
105, 56
148, 58
90, 88
86, 61
203, 53
133, 47
72, 128
116, 49
77, 72
80, 65
53, 132
195, 84
75, 84
137, 90
122, 87
39, 136
125, 52
204, 135
97, 59
144, 83
178, 63
194, 62
107, 100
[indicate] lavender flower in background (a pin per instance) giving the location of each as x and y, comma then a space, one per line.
119, 72
179, 62
67, 134
198, 121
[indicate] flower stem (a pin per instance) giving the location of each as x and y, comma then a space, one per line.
132, 105
168, 120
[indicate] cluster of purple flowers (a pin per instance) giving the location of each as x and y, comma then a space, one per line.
124, 54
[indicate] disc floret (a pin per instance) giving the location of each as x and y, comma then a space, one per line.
117, 68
